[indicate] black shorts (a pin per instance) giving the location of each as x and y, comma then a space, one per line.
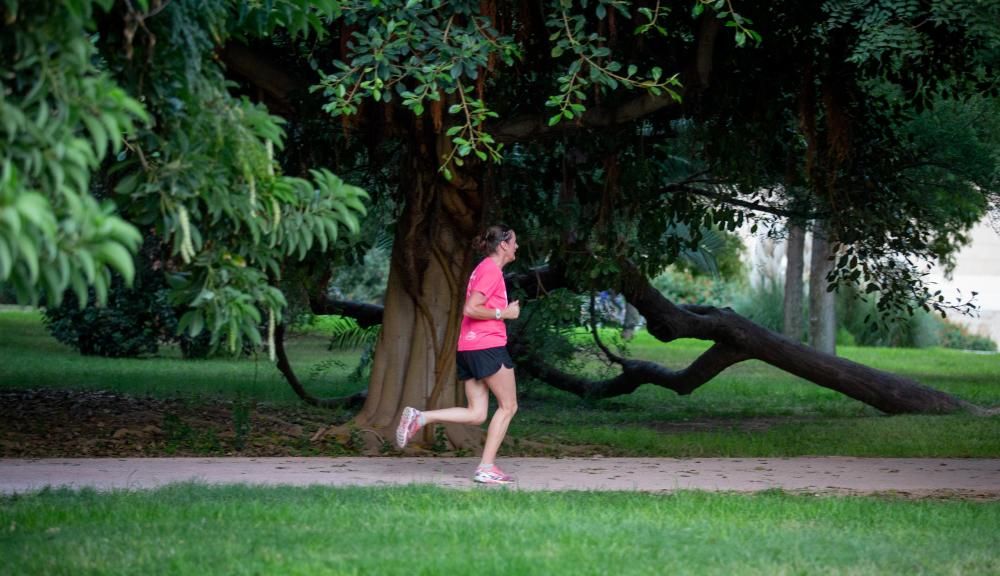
478, 364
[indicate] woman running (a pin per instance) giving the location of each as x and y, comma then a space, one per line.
482, 362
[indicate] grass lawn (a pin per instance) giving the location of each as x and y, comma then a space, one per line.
189, 529
33, 359
750, 410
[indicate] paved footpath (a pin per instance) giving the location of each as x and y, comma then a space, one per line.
979, 478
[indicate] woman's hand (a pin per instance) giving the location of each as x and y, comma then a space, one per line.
512, 311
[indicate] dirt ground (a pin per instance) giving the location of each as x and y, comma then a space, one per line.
49, 423
73, 423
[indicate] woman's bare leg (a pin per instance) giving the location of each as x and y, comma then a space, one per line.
478, 396
504, 387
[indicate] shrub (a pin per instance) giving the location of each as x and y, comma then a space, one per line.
133, 322
764, 304
683, 287
956, 336
919, 330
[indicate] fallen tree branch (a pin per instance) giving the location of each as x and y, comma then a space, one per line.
885, 391
635, 373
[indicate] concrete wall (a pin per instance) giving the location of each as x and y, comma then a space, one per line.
977, 270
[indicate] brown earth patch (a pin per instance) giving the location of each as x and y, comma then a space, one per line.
49, 423
53, 423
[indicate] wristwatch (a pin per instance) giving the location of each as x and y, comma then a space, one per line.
498, 313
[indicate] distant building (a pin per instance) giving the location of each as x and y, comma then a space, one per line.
977, 269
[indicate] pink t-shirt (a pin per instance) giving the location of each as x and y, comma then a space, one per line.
481, 334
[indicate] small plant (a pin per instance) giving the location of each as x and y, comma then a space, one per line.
355, 441
241, 422
176, 431
206, 442
440, 444
957, 336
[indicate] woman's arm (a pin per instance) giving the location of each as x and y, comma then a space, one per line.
475, 308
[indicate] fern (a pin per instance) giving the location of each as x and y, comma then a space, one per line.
345, 334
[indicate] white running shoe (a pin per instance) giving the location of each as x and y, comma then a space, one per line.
409, 423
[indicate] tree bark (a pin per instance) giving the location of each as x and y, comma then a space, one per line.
822, 303
432, 257
793, 282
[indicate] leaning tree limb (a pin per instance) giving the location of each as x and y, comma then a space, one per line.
737, 339
351, 401
635, 373
739, 336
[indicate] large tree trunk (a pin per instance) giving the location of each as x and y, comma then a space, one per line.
822, 302
431, 258
795, 264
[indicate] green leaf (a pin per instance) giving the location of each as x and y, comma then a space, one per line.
6, 259
118, 257
98, 134
29, 255
101, 288
35, 208
197, 323
79, 285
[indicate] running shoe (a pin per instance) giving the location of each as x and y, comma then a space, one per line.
492, 475
409, 423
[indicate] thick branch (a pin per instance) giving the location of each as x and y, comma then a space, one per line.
885, 391
529, 125
537, 282
524, 126
259, 71
534, 283
352, 401
365, 314
638, 372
